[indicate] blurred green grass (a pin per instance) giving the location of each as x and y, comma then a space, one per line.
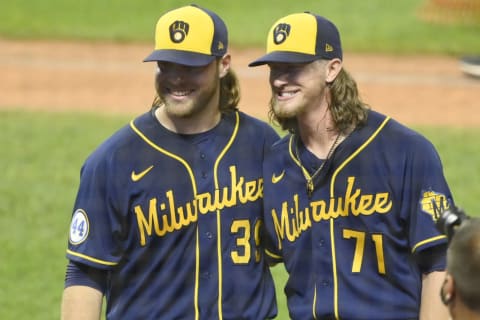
365, 26
41, 157
42, 154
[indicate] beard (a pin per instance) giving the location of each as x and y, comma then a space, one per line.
288, 109
191, 102
281, 111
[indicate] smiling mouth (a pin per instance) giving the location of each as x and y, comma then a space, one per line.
179, 93
286, 94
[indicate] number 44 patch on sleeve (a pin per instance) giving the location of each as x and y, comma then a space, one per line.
79, 227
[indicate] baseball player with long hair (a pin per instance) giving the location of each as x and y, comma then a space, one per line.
350, 194
168, 216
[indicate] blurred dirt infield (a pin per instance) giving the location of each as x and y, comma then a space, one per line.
111, 78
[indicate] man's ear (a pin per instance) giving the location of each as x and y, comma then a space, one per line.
224, 65
447, 292
333, 68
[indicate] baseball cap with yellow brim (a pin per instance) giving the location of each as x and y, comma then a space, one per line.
190, 36
301, 38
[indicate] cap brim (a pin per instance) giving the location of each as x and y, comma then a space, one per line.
192, 59
283, 57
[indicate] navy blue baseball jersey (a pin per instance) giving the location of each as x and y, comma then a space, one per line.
352, 249
176, 221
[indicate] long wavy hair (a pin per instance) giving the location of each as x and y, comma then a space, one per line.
229, 93
348, 110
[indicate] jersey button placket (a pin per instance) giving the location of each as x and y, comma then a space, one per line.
322, 265
204, 173
209, 235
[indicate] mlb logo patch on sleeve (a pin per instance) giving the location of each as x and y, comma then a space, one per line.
79, 227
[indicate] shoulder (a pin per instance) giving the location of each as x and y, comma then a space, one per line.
121, 143
279, 148
252, 121
256, 127
282, 143
386, 135
397, 134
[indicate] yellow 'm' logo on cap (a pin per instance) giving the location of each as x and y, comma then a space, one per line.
328, 48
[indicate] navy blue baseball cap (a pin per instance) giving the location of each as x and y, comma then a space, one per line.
189, 35
301, 38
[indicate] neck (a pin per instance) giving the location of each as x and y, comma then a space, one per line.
198, 123
318, 133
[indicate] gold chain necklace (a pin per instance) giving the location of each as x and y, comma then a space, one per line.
310, 186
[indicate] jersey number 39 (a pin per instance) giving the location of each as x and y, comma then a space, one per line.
243, 231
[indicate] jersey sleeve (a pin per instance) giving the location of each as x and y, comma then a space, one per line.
93, 227
272, 255
273, 164
429, 193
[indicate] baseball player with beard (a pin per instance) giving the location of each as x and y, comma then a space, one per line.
350, 194
168, 215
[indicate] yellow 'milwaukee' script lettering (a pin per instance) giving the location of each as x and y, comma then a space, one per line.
294, 220
168, 217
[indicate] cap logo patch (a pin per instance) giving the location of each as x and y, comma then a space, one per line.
178, 31
281, 32
220, 46
328, 48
